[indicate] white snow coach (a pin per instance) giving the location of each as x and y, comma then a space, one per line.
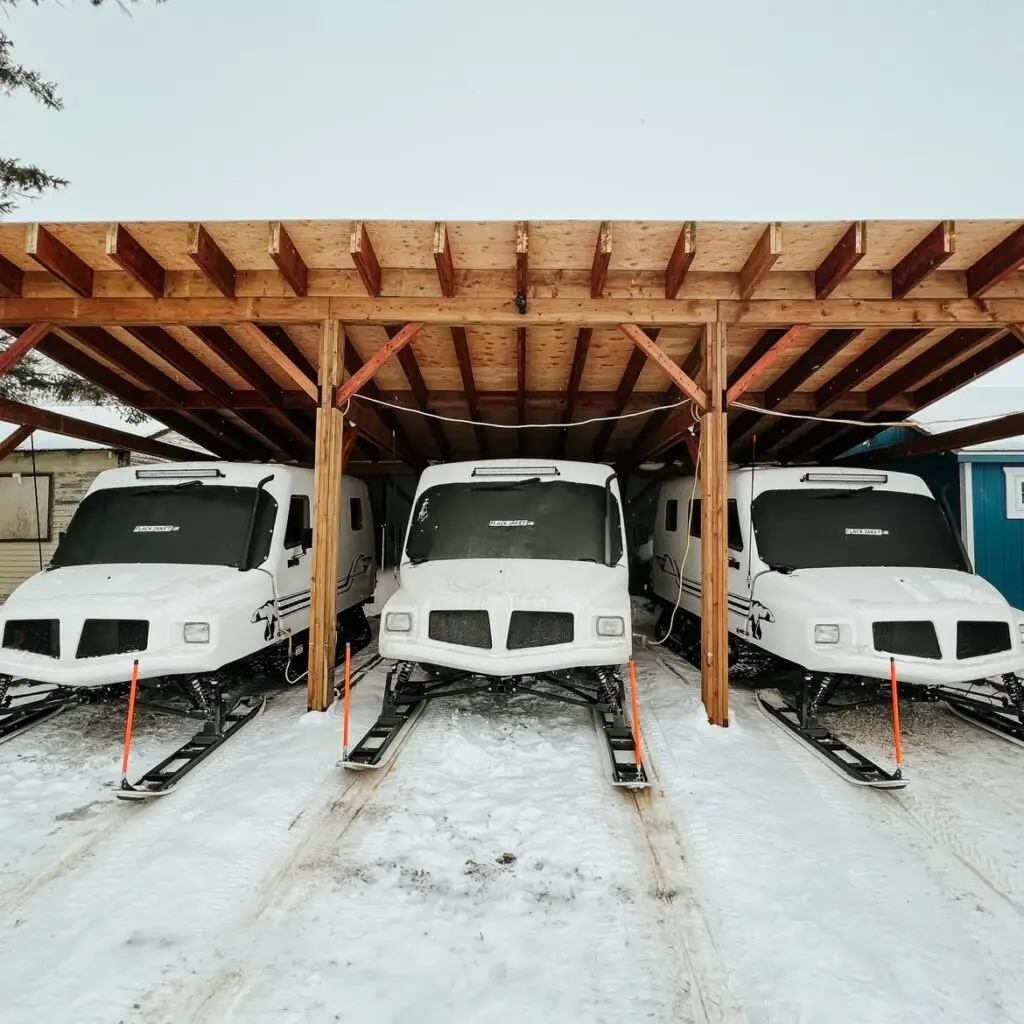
836, 574
514, 578
200, 571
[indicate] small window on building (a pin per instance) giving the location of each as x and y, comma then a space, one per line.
735, 540
672, 515
355, 507
298, 521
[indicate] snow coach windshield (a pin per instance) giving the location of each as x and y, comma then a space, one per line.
553, 519
819, 528
190, 524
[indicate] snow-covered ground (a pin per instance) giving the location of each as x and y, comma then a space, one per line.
491, 874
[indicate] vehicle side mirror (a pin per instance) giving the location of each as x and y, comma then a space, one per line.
307, 538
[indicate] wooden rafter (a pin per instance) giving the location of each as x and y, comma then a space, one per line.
134, 260
980, 433
286, 257
263, 346
848, 252
365, 259
985, 361
656, 354
443, 261
677, 425
210, 259
367, 371
809, 362
522, 257
931, 252
69, 426
465, 361
890, 346
27, 340
767, 359
10, 444
761, 259
572, 387
630, 375
348, 444
53, 255
954, 346
682, 256
997, 264
521, 375
411, 368
281, 338
602, 258
12, 279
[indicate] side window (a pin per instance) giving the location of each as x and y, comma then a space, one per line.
355, 509
735, 533
672, 515
298, 520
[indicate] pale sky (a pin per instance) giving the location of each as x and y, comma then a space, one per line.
702, 109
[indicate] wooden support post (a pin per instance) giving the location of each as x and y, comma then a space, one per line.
323, 633
714, 483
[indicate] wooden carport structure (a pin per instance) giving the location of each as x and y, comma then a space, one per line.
267, 340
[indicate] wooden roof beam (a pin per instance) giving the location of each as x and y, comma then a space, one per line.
931, 252
69, 426
761, 259
210, 259
764, 361
673, 431
656, 354
133, 259
602, 258
282, 251
572, 388
630, 375
682, 256
848, 252
980, 433
1008, 347
27, 340
807, 364
443, 261
366, 372
411, 368
521, 375
997, 264
10, 444
890, 346
368, 420
12, 279
348, 443
53, 255
522, 258
953, 346
365, 259
259, 342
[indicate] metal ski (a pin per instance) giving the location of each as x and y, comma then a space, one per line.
403, 703
840, 757
986, 712
624, 772
22, 711
164, 777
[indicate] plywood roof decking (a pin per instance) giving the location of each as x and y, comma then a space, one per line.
194, 330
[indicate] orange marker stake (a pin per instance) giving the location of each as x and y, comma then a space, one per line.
896, 719
636, 714
348, 691
129, 725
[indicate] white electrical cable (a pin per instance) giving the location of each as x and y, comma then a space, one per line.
864, 423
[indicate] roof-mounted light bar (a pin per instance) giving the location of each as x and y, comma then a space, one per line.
515, 471
171, 473
844, 478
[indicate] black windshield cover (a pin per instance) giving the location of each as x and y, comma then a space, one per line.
553, 519
819, 528
192, 525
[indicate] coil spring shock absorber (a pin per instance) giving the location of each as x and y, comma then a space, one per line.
5, 685
607, 688
1014, 688
202, 698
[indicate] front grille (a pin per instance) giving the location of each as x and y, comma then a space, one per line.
539, 629
112, 636
465, 628
38, 636
912, 639
976, 639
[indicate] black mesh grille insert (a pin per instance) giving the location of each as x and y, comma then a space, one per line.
913, 639
465, 628
539, 629
112, 636
976, 639
38, 636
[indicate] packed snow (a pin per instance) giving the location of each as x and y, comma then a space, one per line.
491, 873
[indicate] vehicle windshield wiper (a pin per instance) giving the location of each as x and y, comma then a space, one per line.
418, 561
842, 494
509, 485
784, 569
